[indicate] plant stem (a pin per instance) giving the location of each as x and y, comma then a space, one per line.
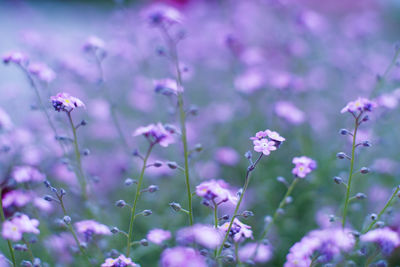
346, 203
29, 249
81, 175
382, 79
246, 184
215, 220
237, 254
388, 203
133, 209
3, 219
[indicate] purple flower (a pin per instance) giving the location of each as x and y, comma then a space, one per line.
42, 72
93, 43
90, 227
249, 82
263, 254
239, 231
157, 133
22, 174
327, 242
182, 257
215, 190
289, 112
121, 261
303, 166
359, 105
227, 156
259, 135
386, 238
162, 15
274, 136
267, 141
167, 87
17, 226
65, 102
264, 146
15, 57
5, 121
158, 236
204, 235
17, 198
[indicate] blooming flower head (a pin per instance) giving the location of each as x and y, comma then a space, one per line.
303, 166
17, 198
386, 238
65, 102
91, 227
121, 261
158, 236
17, 226
289, 112
201, 234
267, 141
43, 72
162, 15
227, 156
15, 57
215, 190
167, 87
22, 174
239, 231
327, 242
247, 252
157, 133
359, 105
182, 257
264, 146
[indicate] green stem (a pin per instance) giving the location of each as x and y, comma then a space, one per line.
215, 220
346, 203
133, 209
81, 175
388, 203
237, 254
246, 184
29, 249
3, 219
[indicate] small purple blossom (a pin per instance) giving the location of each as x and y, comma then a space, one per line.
65, 102
289, 112
386, 238
23, 174
215, 190
167, 87
158, 236
43, 72
182, 257
264, 146
17, 226
359, 105
15, 57
227, 156
157, 133
239, 231
264, 253
91, 227
17, 198
162, 15
267, 141
204, 235
121, 261
303, 166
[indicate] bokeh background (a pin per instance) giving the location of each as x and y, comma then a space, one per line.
249, 65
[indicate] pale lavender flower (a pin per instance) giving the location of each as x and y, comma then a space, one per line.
23, 174
5, 121
43, 72
182, 257
121, 261
204, 235
227, 156
303, 166
359, 105
215, 190
385, 238
17, 226
157, 133
327, 242
17, 198
167, 87
93, 43
239, 231
289, 112
65, 102
15, 57
247, 252
267, 141
264, 146
158, 236
162, 15
91, 227
249, 82
42, 204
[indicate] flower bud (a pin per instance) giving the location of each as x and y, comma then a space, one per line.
67, 220
147, 212
86, 152
152, 188
114, 230
198, 148
172, 165
341, 155
130, 181
144, 242
374, 216
20, 247
62, 192
175, 206
157, 164
47, 183
227, 245
366, 144
365, 170
229, 258
366, 118
337, 180
361, 196
120, 203
224, 217
247, 214
83, 122
48, 198
344, 131
26, 264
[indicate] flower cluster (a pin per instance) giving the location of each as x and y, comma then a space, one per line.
15, 57
66, 102
328, 243
91, 227
121, 261
248, 252
385, 238
23, 174
158, 236
17, 226
182, 256
216, 191
204, 235
359, 105
303, 166
157, 134
267, 141
239, 231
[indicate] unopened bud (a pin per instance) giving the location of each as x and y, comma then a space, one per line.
152, 188
172, 165
344, 131
86, 152
341, 155
144, 242
129, 181
48, 198
374, 216
198, 148
26, 264
175, 206
157, 164
248, 155
247, 214
361, 196
366, 144
47, 183
67, 220
337, 180
114, 230
147, 212
120, 203
365, 170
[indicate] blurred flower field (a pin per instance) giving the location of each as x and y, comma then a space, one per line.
200, 133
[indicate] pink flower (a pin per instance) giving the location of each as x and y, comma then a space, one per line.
17, 198
227, 156
92, 227
274, 136
303, 166
259, 135
359, 105
239, 231
42, 72
247, 252
201, 234
182, 257
167, 87
65, 102
385, 237
15, 57
22, 174
289, 112
157, 133
17, 226
215, 190
118, 262
264, 146
158, 236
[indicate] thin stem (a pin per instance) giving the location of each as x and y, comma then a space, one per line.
237, 253
388, 203
215, 220
29, 249
133, 209
346, 203
382, 79
3, 219
246, 184
81, 175
182, 115
371, 258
